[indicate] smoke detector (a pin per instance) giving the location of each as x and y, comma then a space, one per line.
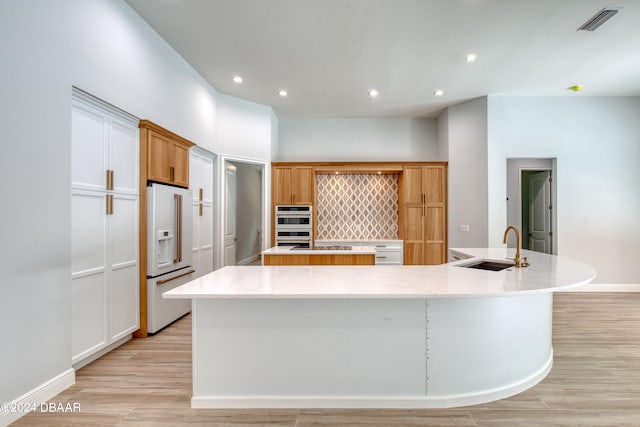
599, 18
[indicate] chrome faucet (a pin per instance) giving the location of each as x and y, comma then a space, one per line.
516, 260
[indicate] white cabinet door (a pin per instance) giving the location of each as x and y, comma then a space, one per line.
102, 142
124, 305
201, 183
88, 273
206, 179
88, 147
123, 155
205, 234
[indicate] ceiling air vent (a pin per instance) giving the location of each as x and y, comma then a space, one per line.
599, 18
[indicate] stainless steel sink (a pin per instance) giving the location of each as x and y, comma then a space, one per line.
488, 265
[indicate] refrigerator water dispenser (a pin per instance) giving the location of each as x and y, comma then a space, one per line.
165, 247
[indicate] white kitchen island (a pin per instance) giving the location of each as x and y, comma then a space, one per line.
374, 336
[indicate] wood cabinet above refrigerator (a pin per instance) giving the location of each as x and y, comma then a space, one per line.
167, 154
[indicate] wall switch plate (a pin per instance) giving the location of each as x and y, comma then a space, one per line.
464, 228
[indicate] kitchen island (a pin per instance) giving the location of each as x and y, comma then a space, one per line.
374, 336
320, 255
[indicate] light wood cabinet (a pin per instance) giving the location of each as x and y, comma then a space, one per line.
292, 185
424, 199
167, 155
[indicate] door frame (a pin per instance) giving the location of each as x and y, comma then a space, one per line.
515, 166
266, 189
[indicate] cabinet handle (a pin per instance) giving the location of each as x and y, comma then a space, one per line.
200, 194
172, 173
178, 206
200, 209
293, 199
109, 204
381, 257
109, 177
422, 210
423, 198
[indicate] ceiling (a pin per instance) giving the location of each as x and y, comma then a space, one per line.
327, 54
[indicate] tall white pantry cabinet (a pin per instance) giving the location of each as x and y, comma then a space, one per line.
201, 185
104, 227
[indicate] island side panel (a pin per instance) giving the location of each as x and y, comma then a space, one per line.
487, 348
308, 352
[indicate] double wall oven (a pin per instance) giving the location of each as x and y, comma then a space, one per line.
294, 225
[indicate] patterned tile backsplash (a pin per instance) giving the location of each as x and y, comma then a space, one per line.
357, 207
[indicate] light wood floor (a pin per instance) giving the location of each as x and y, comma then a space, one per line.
595, 381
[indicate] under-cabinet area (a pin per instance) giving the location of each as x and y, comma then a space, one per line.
363, 203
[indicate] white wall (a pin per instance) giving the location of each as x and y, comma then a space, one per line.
357, 140
467, 156
104, 48
596, 144
243, 128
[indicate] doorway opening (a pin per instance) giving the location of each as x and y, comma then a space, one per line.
537, 231
531, 202
243, 213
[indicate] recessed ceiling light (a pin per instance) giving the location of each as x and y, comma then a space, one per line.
237, 79
471, 57
373, 93
438, 92
282, 93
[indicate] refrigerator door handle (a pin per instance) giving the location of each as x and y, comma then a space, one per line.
178, 202
163, 281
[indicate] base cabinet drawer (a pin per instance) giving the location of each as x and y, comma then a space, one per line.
389, 257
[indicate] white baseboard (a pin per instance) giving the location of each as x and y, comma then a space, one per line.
248, 260
33, 398
602, 287
98, 354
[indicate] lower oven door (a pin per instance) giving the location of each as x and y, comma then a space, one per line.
299, 237
301, 243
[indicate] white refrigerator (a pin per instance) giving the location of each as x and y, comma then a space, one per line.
169, 251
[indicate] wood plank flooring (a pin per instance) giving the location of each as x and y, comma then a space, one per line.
595, 381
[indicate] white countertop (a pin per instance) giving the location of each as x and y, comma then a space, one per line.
547, 273
288, 250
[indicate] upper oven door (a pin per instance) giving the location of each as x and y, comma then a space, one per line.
293, 217
293, 209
